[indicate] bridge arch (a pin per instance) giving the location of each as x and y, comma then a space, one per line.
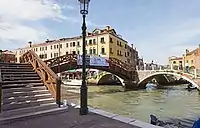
108, 75
149, 77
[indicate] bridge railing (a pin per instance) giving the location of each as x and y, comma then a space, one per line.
49, 78
69, 58
1, 92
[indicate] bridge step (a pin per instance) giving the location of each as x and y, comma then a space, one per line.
18, 72
27, 110
20, 78
26, 104
21, 81
4, 70
22, 90
7, 86
32, 112
22, 94
20, 75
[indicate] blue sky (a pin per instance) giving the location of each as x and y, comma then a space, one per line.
157, 28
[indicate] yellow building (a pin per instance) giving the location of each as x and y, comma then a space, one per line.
192, 58
175, 62
100, 42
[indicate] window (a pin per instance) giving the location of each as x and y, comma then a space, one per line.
120, 43
94, 41
78, 52
117, 52
94, 51
125, 54
111, 51
71, 44
102, 40
90, 42
66, 45
54, 46
41, 56
117, 42
120, 53
45, 56
35, 49
60, 45
90, 51
74, 52
51, 47
186, 61
174, 62
40, 49
102, 50
111, 41
46, 48
125, 46
78, 43
51, 55
57, 46
66, 53
192, 61
128, 54
74, 44
55, 55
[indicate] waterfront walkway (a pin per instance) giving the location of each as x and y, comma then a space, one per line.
69, 119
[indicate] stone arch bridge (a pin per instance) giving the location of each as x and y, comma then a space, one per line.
165, 77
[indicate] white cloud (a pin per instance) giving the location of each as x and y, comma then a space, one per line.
14, 13
29, 10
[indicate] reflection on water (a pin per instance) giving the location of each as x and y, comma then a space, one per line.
170, 102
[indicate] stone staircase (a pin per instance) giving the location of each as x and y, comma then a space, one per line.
24, 94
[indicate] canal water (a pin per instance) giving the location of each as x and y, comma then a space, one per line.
171, 102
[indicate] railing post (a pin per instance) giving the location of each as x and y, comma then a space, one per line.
58, 91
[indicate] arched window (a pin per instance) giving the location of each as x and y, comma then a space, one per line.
103, 50
90, 51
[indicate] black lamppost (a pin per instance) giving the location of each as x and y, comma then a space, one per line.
84, 4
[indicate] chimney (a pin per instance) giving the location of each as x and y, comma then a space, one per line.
186, 51
30, 44
132, 46
47, 41
108, 27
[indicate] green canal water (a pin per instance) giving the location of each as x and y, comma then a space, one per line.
173, 102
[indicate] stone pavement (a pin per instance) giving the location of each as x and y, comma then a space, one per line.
70, 119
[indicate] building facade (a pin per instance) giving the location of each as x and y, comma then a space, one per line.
190, 59
176, 63
100, 42
7, 56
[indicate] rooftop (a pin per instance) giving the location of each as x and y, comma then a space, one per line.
95, 32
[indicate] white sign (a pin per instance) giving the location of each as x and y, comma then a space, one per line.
93, 61
79, 60
98, 61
